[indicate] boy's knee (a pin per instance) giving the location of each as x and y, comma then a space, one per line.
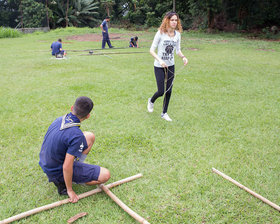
90, 137
104, 175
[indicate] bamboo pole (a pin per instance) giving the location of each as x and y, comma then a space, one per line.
246, 189
122, 205
135, 52
65, 201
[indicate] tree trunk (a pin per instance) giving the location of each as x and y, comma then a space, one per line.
21, 13
66, 14
210, 19
174, 6
47, 14
107, 9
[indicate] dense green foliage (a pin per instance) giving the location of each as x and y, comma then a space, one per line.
9, 33
225, 107
78, 13
33, 13
9, 13
214, 14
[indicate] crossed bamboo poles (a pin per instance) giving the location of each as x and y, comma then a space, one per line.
137, 217
105, 188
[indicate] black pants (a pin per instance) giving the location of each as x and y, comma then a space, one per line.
164, 77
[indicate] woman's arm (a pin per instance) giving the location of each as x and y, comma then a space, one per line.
153, 53
185, 60
153, 48
179, 52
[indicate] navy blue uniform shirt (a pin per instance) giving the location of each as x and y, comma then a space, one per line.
104, 24
63, 136
56, 47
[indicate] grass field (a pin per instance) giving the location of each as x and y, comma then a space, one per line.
225, 108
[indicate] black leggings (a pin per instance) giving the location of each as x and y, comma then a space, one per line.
163, 88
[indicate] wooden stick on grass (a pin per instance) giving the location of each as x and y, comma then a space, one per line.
75, 217
246, 189
122, 205
65, 201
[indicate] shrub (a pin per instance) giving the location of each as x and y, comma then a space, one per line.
152, 20
9, 33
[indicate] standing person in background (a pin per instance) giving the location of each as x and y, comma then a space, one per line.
166, 40
56, 48
133, 42
65, 148
105, 34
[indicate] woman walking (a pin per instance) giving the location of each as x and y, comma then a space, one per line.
166, 40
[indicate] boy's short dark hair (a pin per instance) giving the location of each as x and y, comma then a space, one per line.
107, 17
59, 40
83, 106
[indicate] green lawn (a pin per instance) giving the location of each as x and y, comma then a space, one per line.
225, 108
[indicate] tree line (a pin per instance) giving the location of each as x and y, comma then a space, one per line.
194, 14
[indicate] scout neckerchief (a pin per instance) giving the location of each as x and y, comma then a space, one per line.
69, 120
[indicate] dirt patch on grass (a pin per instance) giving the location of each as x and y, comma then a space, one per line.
189, 48
97, 37
265, 50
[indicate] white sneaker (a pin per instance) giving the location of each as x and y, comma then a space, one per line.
165, 117
150, 106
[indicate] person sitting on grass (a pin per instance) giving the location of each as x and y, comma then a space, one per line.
57, 50
133, 42
65, 148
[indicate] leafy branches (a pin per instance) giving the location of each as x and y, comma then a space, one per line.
78, 13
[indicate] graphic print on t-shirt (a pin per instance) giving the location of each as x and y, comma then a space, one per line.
169, 47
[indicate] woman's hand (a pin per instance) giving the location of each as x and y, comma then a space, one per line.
185, 60
162, 63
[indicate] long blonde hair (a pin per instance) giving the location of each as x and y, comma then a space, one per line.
165, 24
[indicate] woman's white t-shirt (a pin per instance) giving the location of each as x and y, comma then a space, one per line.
165, 47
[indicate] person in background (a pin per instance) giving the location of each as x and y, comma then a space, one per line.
133, 42
166, 40
105, 34
56, 48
